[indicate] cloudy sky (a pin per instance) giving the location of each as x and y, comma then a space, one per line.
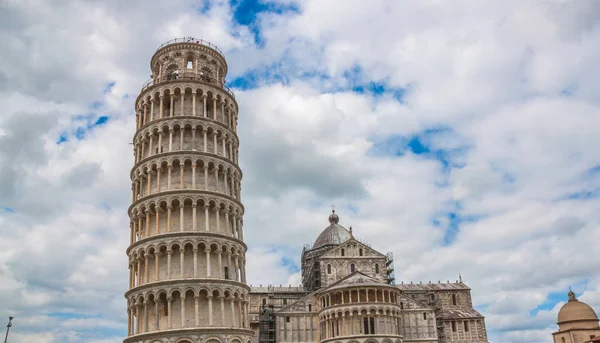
460, 135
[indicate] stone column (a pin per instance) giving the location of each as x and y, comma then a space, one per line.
181, 217
195, 250
194, 104
194, 216
170, 317
156, 317
222, 300
206, 219
206, 177
214, 108
182, 310
157, 221
181, 168
207, 251
128, 322
220, 273
204, 105
139, 272
158, 179
182, 101
193, 175
170, 140
147, 223
156, 257
169, 208
151, 109
210, 310
169, 253
145, 328
181, 258
161, 106
205, 148
171, 105
160, 134
138, 318
218, 215
170, 171
193, 138
146, 270
215, 143
196, 311
227, 226
232, 310
241, 316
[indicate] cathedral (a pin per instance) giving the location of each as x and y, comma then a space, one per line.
348, 294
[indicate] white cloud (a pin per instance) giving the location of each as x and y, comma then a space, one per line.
511, 85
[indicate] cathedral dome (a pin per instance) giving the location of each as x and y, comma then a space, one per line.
576, 311
334, 234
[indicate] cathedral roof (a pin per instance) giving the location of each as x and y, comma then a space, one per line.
456, 314
575, 310
356, 279
334, 234
440, 286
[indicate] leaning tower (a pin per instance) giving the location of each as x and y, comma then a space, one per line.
187, 255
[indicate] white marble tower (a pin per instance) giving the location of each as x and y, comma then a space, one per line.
187, 255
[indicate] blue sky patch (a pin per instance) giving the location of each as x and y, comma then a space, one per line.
109, 87
421, 144
7, 209
554, 298
247, 13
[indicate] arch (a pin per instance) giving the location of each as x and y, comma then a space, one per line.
172, 71
329, 269
454, 299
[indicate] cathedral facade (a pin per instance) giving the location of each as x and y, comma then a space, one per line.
349, 294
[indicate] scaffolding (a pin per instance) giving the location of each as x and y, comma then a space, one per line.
389, 266
266, 325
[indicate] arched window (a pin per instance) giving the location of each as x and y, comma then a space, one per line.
329, 269
352, 268
376, 268
309, 307
285, 301
264, 301
226, 273
562, 340
360, 252
343, 252
172, 72
424, 315
453, 299
402, 306
190, 62
453, 326
466, 325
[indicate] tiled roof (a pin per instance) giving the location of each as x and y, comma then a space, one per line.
277, 289
442, 286
459, 314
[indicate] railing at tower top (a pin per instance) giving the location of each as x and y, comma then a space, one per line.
191, 40
158, 80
